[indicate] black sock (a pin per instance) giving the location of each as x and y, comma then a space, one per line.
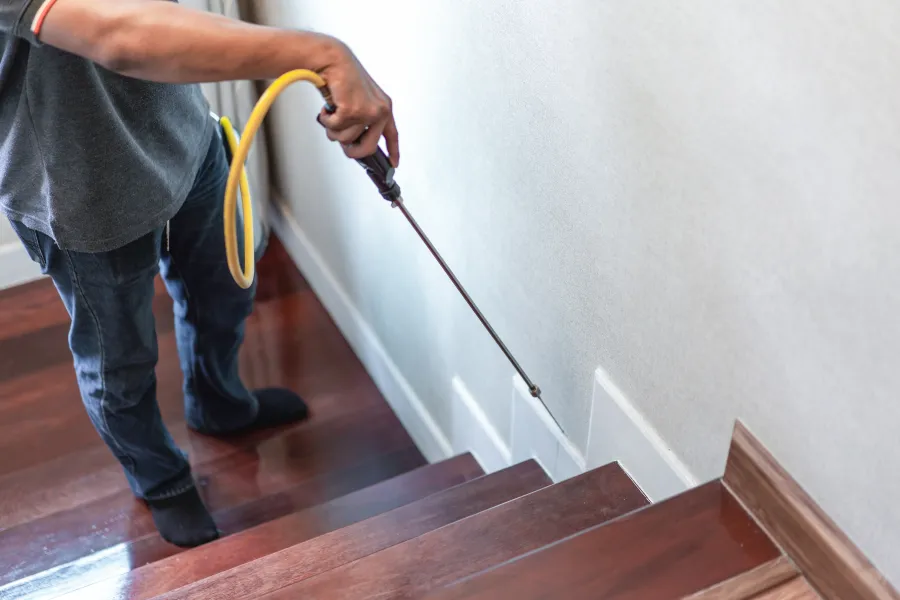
278, 406
183, 519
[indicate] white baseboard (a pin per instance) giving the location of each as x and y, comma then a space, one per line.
619, 432
535, 435
472, 431
362, 338
16, 267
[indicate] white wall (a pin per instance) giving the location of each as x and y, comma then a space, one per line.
15, 265
7, 235
8, 239
700, 197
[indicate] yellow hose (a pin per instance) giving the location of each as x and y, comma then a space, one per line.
237, 175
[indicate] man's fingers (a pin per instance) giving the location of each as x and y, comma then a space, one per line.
392, 139
368, 143
360, 130
339, 120
346, 136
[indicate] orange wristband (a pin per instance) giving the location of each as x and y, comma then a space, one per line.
40, 16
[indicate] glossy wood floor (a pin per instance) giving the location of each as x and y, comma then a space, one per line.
67, 517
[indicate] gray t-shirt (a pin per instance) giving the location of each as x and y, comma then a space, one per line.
89, 157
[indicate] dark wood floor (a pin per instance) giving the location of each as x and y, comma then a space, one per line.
64, 504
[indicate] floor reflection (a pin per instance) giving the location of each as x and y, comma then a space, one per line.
73, 576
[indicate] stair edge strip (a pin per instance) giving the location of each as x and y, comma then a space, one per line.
750, 584
797, 588
824, 554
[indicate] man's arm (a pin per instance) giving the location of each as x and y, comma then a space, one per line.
167, 42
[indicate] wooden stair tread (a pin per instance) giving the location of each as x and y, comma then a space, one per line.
81, 477
150, 548
42, 409
479, 542
669, 550
290, 340
33, 350
36, 306
309, 453
28, 307
192, 565
367, 537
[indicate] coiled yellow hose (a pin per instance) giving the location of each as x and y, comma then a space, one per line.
237, 175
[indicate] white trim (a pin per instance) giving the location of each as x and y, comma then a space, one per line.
619, 432
536, 435
472, 431
16, 267
362, 338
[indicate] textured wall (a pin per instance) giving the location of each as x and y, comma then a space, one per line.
701, 197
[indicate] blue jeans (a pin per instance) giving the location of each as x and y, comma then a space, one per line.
109, 297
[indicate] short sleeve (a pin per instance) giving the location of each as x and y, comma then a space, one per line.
18, 18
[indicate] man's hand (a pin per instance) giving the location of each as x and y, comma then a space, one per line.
364, 112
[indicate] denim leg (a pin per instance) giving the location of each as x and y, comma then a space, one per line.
210, 308
113, 341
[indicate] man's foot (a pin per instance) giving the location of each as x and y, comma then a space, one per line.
183, 519
278, 406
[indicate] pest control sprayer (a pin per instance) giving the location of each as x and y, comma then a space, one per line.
377, 166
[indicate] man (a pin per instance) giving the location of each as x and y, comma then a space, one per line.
112, 170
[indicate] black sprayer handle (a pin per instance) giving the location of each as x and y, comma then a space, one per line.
380, 170
378, 166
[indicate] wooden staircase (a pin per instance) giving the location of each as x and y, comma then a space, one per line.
342, 506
